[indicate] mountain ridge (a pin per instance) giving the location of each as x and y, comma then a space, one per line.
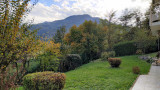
49, 28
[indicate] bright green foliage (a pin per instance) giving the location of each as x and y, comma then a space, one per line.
44, 81
70, 62
98, 75
125, 48
106, 55
48, 62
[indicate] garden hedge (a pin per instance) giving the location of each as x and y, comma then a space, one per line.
44, 81
125, 48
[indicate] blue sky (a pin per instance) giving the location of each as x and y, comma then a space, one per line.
55, 2
50, 10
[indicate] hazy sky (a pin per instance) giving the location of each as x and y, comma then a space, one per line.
50, 10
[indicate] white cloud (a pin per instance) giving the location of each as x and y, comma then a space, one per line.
96, 8
56, 0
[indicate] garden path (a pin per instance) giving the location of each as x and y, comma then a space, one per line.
150, 81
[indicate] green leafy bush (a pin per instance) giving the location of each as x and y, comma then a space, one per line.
114, 62
44, 81
136, 70
125, 48
48, 62
34, 66
70, 62
106, 55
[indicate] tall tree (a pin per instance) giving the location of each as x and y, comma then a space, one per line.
59, 35
16, 41
111, 29
126, 17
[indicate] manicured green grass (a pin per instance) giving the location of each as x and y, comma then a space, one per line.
99, 75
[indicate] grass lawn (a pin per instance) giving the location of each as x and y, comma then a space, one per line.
98, 75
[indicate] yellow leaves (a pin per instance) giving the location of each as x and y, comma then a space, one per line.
50, 46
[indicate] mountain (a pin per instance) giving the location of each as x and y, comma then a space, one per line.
49, 28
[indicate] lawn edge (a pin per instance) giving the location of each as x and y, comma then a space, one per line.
138, 77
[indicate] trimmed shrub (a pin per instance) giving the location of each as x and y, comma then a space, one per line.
70, 62
114, 62
106, 55
44, 81
136, 70
125, 48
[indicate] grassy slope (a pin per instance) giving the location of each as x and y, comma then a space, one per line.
99, 76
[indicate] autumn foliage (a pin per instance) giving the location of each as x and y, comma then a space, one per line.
88, 40
17, 43
48, 56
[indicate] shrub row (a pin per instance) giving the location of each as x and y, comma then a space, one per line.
44, 81
129, 48
114, 62
125, 48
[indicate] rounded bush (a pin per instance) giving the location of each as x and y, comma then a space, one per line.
136, 70
70, 62
106, 55
44, 81
114, 62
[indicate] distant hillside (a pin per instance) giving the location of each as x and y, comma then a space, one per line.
49, 28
